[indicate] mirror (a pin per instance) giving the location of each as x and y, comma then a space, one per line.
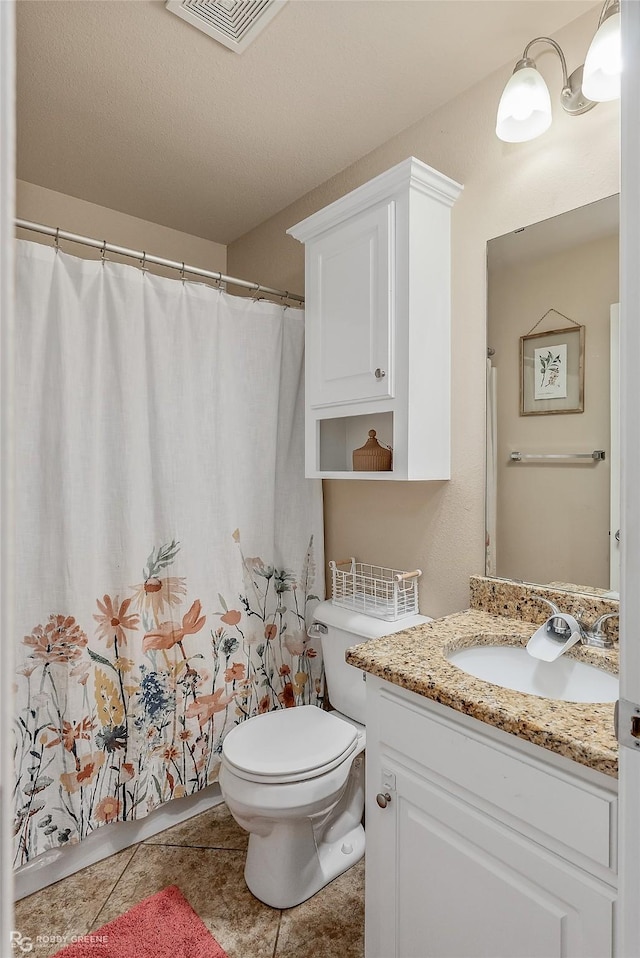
551, 517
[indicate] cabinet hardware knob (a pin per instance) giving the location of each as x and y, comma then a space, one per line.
383, 799
379, 373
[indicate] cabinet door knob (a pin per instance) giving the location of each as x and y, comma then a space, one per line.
379, 373
383, 799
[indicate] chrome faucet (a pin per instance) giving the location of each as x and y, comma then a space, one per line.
559, 626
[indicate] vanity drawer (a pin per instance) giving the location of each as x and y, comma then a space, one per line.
550, 805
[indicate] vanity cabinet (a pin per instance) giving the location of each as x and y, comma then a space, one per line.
484, 847
377, 290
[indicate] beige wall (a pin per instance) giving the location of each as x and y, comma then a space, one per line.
439, 527
553, 519
44, 206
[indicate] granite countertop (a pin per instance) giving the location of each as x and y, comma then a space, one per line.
415, 659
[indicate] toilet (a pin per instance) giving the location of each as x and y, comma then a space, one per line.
294, 778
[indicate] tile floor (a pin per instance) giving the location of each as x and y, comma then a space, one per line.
205, 858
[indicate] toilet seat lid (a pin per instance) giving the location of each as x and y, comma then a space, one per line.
289, 745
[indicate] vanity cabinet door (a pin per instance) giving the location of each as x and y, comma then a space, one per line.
457, 883
349, 311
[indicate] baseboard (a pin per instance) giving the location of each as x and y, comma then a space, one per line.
51, 866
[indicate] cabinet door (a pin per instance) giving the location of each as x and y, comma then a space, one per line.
461, 885
350, 313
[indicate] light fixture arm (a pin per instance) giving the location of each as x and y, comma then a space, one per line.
572, 99
558, 49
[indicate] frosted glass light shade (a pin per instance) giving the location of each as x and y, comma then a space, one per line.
602, 68
524, 111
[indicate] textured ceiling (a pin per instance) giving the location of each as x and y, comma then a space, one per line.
123, 104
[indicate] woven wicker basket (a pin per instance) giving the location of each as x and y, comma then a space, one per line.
372, 457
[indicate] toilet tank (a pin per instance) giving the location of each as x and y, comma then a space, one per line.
345, 683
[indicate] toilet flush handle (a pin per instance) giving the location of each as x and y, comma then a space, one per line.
316, 629
383, 799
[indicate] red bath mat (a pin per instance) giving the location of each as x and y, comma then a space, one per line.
162, 926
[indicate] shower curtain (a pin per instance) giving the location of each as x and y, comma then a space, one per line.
169, 550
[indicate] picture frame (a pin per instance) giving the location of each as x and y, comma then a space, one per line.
552, 372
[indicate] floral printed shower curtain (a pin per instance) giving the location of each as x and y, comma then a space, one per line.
169, 550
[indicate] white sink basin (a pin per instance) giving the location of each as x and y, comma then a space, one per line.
513, 668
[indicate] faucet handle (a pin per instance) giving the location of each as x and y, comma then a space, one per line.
595, 636
596, 629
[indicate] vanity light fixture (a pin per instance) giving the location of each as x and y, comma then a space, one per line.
524, 111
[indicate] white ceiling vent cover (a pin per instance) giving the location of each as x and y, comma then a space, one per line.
235, 23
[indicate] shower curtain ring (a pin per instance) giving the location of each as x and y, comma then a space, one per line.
56, 241
182, 276
103, 253
143, 262
256, 292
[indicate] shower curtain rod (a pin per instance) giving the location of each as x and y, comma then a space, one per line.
105, 247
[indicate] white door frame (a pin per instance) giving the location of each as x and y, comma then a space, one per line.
614, 450
7, 216
628, 921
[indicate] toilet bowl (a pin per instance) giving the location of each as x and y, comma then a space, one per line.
294, 778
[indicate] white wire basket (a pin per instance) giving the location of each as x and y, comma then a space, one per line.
373, 590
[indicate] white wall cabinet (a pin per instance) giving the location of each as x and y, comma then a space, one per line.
377, 341
349, 283
484, 849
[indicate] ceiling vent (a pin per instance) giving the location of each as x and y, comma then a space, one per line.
235, 23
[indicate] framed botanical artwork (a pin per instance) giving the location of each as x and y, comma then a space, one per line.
552, 372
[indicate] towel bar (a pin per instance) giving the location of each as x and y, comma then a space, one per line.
598, 455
